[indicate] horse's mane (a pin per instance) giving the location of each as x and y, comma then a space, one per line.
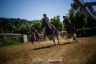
48, 29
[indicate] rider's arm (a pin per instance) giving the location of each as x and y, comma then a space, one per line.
46, 19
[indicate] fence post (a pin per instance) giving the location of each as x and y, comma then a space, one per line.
25, 40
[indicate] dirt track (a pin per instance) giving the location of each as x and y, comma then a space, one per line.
83, 52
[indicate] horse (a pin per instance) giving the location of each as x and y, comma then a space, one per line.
51, 32
35, 35
71, 30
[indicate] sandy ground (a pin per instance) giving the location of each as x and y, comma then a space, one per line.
68, 52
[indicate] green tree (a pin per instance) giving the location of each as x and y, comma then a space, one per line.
56, 22
36, 24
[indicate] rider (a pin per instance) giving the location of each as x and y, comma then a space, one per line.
68, 25
44, 21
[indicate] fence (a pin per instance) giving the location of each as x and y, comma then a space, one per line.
9, 36
80, 33
86, 32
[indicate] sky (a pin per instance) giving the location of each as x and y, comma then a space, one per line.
33, 9
89, 0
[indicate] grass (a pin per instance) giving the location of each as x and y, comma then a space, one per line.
10, 42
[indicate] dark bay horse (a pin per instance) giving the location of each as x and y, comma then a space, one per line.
51, 32
69, 27
71, 31
34, 35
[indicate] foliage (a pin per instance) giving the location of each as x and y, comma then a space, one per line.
22, 26
37, 25
56, 22
11, 25
80, 19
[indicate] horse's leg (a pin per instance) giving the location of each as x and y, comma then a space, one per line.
58, 39
68, 35
74, 38
44, 35
35, 37
53, 40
